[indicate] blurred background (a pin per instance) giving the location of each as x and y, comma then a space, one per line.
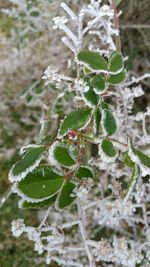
28, 44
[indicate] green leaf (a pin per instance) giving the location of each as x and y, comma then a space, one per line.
65, 199
118, 78
108, 148
135, 175
42, 183
127, 159
75, 120
109, 122
64, 155
116, 63
98, 83
141, 159
91, 98
85, 172
28, 163
92, 60
104, 105
37, 205
34, 13
97, 120
133, 180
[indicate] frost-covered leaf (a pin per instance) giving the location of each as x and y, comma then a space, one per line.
37, 205
97, 120
42, 183
85, 172
127, 159
109, 122
62, 154
133, 180
75, 120
65, 197
118, 78
90, 98
116, 63
141, 159
28, 163
98, 84
108, 148
92, 60
135, 175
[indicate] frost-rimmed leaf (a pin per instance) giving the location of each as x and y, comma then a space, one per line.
92, 60
24, 204
108, 122
118, 78
75, 120
127, 159
141, 159
98, 84
41, 184
65, 197
90, 98
115, 63
97, 120
108, 148
133, 180
62, 154
85, 172
27, 148
27, 164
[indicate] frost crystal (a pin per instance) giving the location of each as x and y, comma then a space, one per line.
51, 75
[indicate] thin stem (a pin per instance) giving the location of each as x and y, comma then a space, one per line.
116, 24
81, 213
5, 197
98, 139
45, 217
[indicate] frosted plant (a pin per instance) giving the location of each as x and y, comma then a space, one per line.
98, 203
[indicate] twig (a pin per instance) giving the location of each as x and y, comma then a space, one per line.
5, 197
135, 26
83, 233
116, 24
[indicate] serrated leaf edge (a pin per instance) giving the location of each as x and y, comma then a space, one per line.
56, 204
52, 159
144, 169
21, 176
102, 121
82, 128
87, 167
103, 156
